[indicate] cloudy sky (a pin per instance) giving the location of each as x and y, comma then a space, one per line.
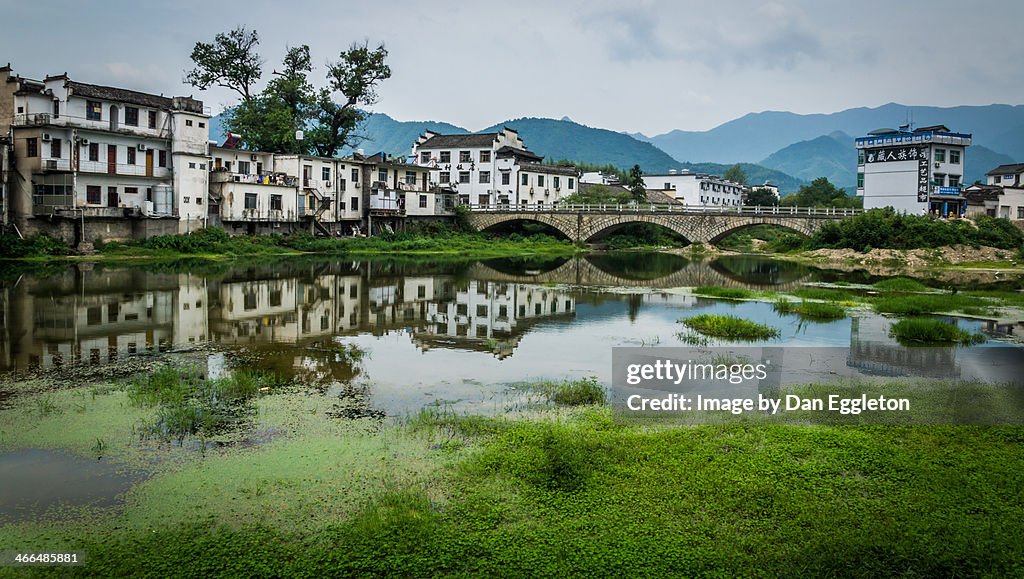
647, 66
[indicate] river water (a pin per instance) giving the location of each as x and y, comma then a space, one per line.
445, 331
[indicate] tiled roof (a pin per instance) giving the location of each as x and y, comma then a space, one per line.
1011, 169
119, 95
516, 152
549, 169
456, 141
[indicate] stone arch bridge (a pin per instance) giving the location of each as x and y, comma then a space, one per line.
585, 223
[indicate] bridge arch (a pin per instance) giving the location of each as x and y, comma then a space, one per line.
558, 222
802, 227
600, 227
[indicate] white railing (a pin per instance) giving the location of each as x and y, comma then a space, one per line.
674, 208
123, 169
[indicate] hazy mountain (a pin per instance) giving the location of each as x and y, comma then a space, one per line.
759, 135
981, 160
565, 139
383, 133
832, 156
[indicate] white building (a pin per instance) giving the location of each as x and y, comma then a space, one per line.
913, 171
770, 187
599, 178
696, 189
1010, 200
117, 162
484, 169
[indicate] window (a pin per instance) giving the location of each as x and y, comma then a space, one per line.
162, 155
997, 179
152, 119
940, 155
425, 157
446, 156
506, 177
190, 165
93, 194
382, 175
243, 167
250, 201
199, 200
860, 156
954, 180
325, 174
423, 201
1020, 213
485, 176
485, 156
94, 151
939, 179
445, 177
554, 182
954, 157
55, 147
202, 166
131, 116
131, 156
572, 183
131, 190
540, 180
355, 177
463, 176
465, 157
410, 177
275, 202
32, 147
526, 179
202, 125
93, 111
860, 180
188, 122
481, 311
56, 109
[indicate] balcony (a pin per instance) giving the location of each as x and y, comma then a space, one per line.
124, 169
58, 165
101, 125
273, 179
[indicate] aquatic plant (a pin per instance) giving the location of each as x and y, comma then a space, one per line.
730, 327
931, 331
815, 311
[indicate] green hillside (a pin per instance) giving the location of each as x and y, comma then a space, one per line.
383, 133
826, 156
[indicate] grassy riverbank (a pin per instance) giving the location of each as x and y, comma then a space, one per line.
554, 491
217, 244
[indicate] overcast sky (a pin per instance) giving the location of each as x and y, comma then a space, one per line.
646, 66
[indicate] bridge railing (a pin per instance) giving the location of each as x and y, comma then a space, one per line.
676, 208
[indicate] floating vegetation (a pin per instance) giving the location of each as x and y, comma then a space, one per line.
824, 294
929, 331
917, 304
729, 328
814, 311
191, 405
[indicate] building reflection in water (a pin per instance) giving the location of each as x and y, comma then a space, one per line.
96, 317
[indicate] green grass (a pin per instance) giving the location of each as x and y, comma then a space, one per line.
730, 328
929, 331
584, 496
725, 293
824, 294
574, 392
814, 311
900, 284
917, 304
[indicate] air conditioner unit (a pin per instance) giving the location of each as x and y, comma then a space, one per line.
547, 192
142, 147
253, 157
937, 164
51, 164
46, 137
84, 142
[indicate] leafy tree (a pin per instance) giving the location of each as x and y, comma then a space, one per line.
356, 76
636, 184
761, 196
230, 61
736, 174
821, 193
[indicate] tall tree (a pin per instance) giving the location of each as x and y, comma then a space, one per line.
356, 75
636, 184
736, 174
761, 196
230, 61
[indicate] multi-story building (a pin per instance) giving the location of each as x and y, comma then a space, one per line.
485, 169
599, 178
913, 170
695, 188
398, 191
92, 161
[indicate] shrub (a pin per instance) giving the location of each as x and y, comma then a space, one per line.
575, 392
886, 229
12, 246
814, 311
900, 284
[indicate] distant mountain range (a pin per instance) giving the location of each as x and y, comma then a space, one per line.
785, 148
